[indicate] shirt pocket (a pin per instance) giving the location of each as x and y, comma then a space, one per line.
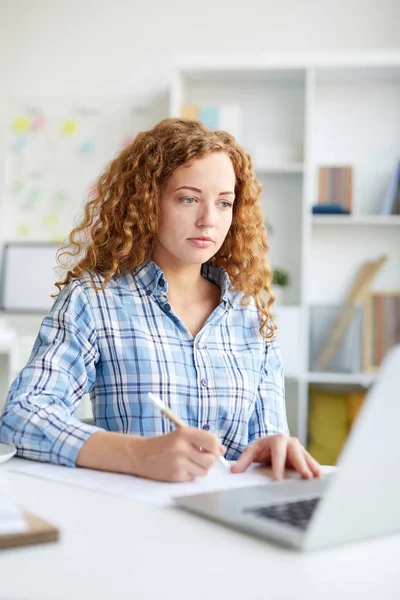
237, 377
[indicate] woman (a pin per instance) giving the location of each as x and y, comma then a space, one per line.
169, 293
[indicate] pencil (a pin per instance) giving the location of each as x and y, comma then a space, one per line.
175, 419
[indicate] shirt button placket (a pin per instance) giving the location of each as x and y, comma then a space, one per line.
203, 381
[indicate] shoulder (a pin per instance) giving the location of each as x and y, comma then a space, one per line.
91, 285
72, 302
245, 306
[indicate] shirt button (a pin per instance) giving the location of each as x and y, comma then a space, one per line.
206, 427
204, 382
167, 307
161, 282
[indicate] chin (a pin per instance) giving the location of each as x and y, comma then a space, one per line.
195, 258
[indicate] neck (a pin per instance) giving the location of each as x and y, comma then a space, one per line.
184, 280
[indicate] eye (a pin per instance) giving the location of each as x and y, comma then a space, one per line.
225, 204
188, 200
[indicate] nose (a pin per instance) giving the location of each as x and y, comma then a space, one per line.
206, 216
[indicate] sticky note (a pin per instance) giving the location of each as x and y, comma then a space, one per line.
38, 122
21, 124
33, 196
69, 127
50, 220
57, 239
92, 189
60, 197
23, 229
127, 140
20, 142
16, 187
87, 147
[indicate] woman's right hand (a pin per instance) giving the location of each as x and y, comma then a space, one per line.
182, 455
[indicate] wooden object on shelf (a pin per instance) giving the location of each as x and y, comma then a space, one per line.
357, 294
39, 532
381, 327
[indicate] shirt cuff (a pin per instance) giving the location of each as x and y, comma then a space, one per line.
66, 447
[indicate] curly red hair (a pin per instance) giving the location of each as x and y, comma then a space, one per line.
119, 227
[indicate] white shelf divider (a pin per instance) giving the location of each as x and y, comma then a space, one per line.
356, 220
363, 379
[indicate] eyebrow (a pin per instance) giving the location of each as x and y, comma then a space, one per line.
194, 189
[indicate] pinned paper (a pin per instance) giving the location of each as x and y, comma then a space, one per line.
23, 229
87, 147
38, 122
57, 239
92, 189
16, 187
20, 142
33, 197
50, 220
21, 124
127, 140
60, 198
70, 126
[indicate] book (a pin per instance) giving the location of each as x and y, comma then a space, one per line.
329, 209
227, 117
381, 327
335, 186
391, 201
396, 207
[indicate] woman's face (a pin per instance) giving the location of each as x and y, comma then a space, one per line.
196, 209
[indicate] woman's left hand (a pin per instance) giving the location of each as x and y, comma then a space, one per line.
279, 451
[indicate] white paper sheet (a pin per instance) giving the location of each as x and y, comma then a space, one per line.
153, 492
12, 519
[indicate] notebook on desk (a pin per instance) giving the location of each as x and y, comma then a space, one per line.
38, 531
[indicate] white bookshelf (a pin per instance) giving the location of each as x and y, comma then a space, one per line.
328, 109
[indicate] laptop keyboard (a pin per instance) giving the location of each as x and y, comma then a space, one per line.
297, 513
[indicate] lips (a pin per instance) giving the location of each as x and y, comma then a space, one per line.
201, 242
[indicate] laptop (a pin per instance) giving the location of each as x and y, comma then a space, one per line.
359, 499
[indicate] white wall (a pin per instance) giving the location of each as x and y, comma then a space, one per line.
86, 46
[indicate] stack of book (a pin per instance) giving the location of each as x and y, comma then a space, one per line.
335, 190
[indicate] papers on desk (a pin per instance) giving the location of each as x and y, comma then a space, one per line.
145, 490
12, 519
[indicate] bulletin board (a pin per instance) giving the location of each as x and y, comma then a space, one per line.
55, 151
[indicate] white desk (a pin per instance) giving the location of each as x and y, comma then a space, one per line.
113, 548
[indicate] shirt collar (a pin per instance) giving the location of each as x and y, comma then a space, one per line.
152, 279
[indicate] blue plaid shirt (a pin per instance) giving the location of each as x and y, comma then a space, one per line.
125, 341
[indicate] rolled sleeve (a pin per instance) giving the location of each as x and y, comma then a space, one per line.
269, 414
39, 413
